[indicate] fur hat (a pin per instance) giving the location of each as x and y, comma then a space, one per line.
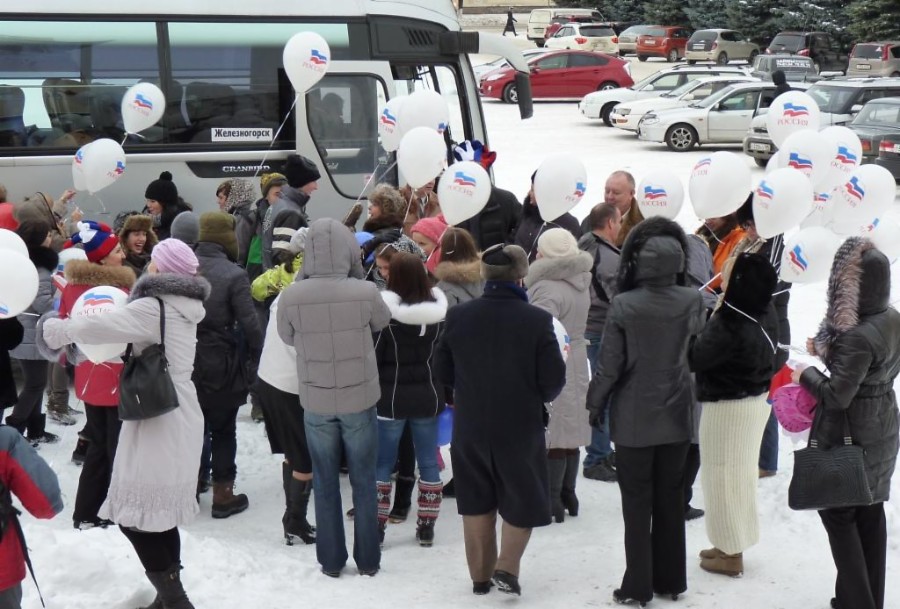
97, 239
163, 190
504, 263
269, 180
390, 201
185, 227
136, 223
299, 171
218, 227
174, 256
557, 243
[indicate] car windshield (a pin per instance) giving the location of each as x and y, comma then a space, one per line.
659, 32
791, 42
685, 88
831, 99
597, 31
868, 51
636, 30
713, 99
882, 115
704, 36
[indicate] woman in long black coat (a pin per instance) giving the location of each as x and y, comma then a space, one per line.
11, 333
859, 342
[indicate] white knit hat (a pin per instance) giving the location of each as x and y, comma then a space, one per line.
557, 243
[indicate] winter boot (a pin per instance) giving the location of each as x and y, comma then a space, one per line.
402, 499
58, 408
296, 527
225, 502
81, 448
724, 564
557, 470
430, 494
38, 434
569, 499
169, 589
383, 496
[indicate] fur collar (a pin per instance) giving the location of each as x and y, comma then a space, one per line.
459, 272
559, 268
170, 284
421, 314
384, 221
44, 257
82, 272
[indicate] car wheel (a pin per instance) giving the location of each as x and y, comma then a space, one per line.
761, 162
511, 94
681, 137
607, 85
621, 53
672, 57
692, 62
539, 44
642, 58
605, 111
722, 59
753, 55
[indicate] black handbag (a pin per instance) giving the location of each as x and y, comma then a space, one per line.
145, 388
829, 478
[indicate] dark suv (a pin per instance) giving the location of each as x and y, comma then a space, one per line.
818, 46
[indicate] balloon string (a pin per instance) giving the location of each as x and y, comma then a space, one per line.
706, 285
538, 236
372, 177
412, 193
275, 137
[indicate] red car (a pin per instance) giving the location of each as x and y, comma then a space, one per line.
663, 41
561, 74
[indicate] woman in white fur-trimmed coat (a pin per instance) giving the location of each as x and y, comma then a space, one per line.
410, 391
558, 282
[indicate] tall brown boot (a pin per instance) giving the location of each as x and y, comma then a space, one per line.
225, 502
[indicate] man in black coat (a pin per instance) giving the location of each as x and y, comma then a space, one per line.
11, 333
501, 358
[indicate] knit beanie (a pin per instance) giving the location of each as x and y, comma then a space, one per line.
163, 190
299, 171
557, 243
504, 263
218, 227
97, 239
185, 227
269, 180
174, 256
433, 229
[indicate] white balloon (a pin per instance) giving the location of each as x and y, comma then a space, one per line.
20, 283
848, 155
773, 163
142, 106
808, 255
562, 338
98, 301
810, 153
100, 163
67, 255
781, 201
389, 124
868, 193
11, 241
660, 194
425, 108
463, 191
885, 234
422, 155
790, 112
822, 212
719, 184
79, 178
559, 185
306, 58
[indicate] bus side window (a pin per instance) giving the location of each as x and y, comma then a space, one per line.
69, 108
12, 123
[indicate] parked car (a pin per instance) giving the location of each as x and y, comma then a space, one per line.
875, 59
481, 69
627, 114
796, 68
665, 41
878, 118
541, 18
628, 38
720, 46
889, 155
561, 75
585, 37
721, 118
562, 20
600, 104
818, 46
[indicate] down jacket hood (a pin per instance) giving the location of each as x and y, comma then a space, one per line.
331, 251
572, 269
655, 253
419, 314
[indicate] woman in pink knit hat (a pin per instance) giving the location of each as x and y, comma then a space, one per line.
427, 234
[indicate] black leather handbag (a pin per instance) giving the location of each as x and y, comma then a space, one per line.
829, 478
145, 388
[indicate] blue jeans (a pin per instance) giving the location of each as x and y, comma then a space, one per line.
768, 450
599, 448
424, 435
355, 435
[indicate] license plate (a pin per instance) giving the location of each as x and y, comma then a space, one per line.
621, 120
757, 147
699, 47
863, 66
650, 42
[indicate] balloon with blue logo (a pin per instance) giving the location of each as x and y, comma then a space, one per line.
866, 195
425, 108
96, 301
781, 201
463, 191
660, 194
389, 124
98, 164
808, 255
822, 212
885, 234
562, 338
422, 156
306, 58
142, 106
810, 153
791, 112
719, 184
20, 282
10, 240
559, 185
847, 155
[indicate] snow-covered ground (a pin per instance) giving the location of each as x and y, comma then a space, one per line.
241, 562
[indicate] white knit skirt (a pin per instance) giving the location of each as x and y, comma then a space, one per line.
730, 435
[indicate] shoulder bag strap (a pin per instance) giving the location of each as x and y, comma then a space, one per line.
162, 326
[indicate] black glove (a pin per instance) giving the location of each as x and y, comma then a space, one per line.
596, 419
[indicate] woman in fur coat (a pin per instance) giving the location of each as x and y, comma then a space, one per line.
154, 478
859, 342
459, 271
559, 282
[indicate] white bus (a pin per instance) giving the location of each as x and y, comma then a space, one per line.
64, 67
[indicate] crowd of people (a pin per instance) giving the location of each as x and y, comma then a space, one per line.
351, 343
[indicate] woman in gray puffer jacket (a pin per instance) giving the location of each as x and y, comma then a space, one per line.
859, 342
459, 271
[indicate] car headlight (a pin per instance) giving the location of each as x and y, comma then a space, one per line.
650, 119
622, 111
